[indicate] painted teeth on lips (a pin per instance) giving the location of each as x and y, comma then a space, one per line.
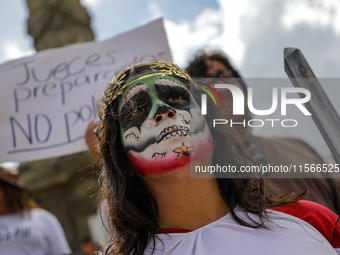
175, 130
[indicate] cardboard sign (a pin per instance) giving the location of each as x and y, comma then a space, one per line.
47, 100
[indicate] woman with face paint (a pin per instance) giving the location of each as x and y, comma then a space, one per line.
151, 132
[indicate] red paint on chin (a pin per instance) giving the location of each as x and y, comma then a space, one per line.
145, 166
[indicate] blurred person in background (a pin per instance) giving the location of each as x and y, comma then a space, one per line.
26, 229
275, 150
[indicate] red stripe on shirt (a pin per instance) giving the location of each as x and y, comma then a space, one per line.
172, 230
320, 217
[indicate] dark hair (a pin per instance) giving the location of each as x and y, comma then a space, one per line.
197, 68
16, 198
132, 211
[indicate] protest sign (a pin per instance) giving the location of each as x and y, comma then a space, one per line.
48, 99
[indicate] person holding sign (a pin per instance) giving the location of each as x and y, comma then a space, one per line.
151, 132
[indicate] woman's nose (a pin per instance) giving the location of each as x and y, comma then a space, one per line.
164, 112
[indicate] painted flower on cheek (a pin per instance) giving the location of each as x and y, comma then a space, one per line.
184, 151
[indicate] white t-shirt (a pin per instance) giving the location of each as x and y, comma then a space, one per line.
36, 232
288, 235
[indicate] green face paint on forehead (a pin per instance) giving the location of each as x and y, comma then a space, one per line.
148, 84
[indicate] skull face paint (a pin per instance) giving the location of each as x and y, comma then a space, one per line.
157, 120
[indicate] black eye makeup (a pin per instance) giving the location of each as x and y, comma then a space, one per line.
175, 96
137, 103
136, 109
176, 99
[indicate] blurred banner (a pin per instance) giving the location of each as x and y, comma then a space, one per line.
48, 99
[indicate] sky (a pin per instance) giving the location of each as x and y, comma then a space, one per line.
252, 32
